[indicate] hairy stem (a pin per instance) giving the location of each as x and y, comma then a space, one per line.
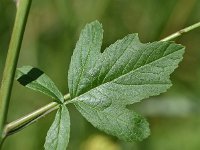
11, 60
180, 32
25, 121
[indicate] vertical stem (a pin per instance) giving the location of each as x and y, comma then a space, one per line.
23, 7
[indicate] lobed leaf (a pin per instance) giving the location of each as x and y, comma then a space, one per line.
103, 84
37, 80
58, 135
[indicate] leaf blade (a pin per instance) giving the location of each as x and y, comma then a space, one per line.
123, 123
35, 79
125, 73
58, 135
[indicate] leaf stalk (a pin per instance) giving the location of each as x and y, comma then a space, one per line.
25, 121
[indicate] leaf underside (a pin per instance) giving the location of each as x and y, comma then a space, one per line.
35, 79
58, 135
103, 84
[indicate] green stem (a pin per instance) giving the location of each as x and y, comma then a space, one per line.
11, 60
179, 33
21, 123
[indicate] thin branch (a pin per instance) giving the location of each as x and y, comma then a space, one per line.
179, 33
11, 60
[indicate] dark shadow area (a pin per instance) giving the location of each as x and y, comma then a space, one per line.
32, 75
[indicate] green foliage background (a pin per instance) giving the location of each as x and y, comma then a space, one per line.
52, 31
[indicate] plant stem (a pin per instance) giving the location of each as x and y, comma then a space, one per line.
21, 123
25, 121
11, 60
179, 33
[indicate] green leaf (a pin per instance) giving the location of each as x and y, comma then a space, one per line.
37, 80
103, 84
58, 135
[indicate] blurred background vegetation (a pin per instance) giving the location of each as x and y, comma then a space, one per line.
52, 31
